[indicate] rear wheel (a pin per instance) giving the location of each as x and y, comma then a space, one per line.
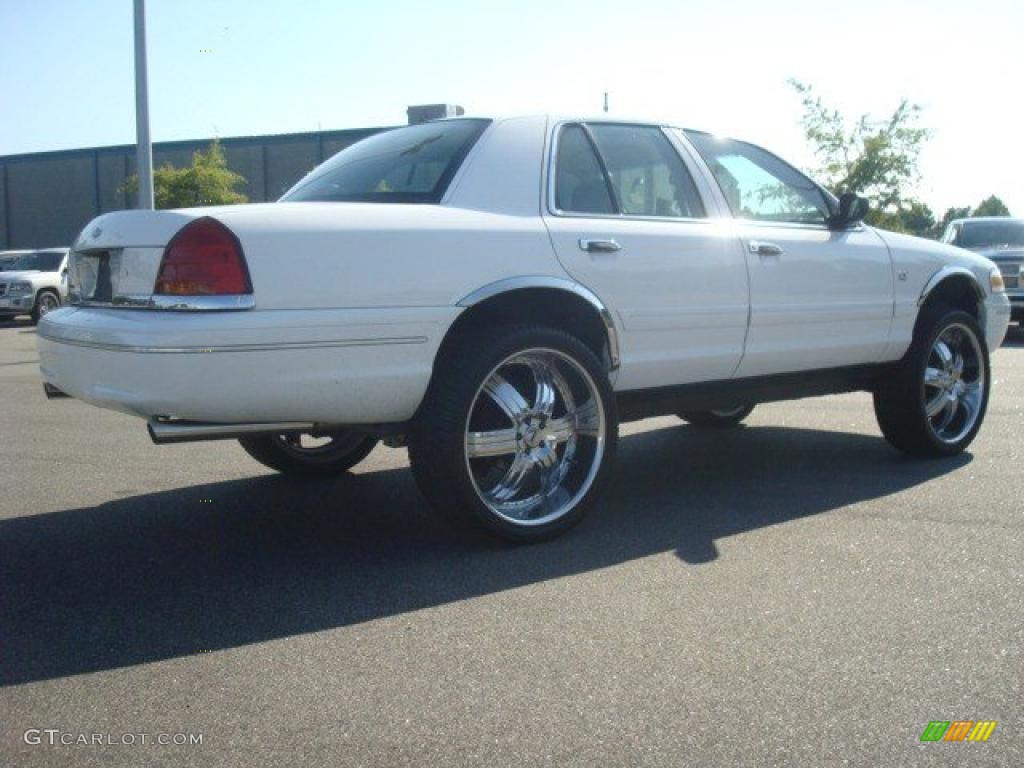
725, 417
46, 302
936, 402
310, 455
517, 433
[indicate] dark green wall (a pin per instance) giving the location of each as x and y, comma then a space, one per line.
47, 198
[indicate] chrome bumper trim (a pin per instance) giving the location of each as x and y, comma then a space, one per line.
173, 303
270, 347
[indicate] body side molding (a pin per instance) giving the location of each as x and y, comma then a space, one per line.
556, 283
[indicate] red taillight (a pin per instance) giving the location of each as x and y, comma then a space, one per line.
203, 259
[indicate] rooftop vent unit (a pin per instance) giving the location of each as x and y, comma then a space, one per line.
423, 113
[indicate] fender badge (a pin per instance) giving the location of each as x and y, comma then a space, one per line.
96, 233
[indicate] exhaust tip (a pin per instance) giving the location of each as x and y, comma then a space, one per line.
52, 392
164, 431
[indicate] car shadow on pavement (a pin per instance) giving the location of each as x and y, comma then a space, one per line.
216, 566
17, 322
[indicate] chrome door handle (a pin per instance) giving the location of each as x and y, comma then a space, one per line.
765, 249
599, 246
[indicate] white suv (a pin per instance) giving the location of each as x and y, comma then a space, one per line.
502, 293
35, 284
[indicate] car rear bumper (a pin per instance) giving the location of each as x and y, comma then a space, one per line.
349, 366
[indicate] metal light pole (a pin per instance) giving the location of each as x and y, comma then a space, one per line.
145, 148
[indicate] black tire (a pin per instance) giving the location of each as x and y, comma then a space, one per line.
901, 403
718, 419
46, 301
345, 450
455, 482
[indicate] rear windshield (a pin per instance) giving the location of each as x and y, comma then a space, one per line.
406, 165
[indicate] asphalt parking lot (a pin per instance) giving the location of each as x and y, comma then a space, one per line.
790, 593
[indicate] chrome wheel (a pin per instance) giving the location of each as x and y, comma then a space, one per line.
954, 383
47, 302
535, 436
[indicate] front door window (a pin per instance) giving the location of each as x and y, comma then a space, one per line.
757, 185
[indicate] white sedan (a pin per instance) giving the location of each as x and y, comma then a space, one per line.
500, 294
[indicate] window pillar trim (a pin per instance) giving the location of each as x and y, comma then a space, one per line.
613, 196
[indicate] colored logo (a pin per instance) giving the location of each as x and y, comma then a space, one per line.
958, 730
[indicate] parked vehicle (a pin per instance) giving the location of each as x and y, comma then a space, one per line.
7, 258
35, 284
1000, 239
502, 293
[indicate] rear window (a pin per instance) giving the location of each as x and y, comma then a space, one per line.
406, 165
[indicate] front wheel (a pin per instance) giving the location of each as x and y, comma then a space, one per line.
936, 401
721, 419
517, 434
309, 455
46, 302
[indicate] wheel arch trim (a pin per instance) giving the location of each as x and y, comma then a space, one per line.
948, 272
552, 282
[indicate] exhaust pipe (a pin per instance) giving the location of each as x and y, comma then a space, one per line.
52, 393
166, 431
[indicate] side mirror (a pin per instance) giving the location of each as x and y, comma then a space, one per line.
852, 210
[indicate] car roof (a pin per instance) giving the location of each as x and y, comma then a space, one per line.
987, 218
558, 117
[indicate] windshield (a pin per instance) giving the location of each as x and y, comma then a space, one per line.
990, 234
44, 261
406, 165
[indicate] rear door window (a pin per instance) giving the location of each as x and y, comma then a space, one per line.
647, 174
618, 169
580, 183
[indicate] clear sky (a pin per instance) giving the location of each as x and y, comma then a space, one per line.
237, 67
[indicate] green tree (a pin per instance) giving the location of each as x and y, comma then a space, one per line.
991, 206
948, 216
207, 181
877, 159
917, 219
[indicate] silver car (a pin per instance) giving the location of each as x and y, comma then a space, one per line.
35, 284
1001, 239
